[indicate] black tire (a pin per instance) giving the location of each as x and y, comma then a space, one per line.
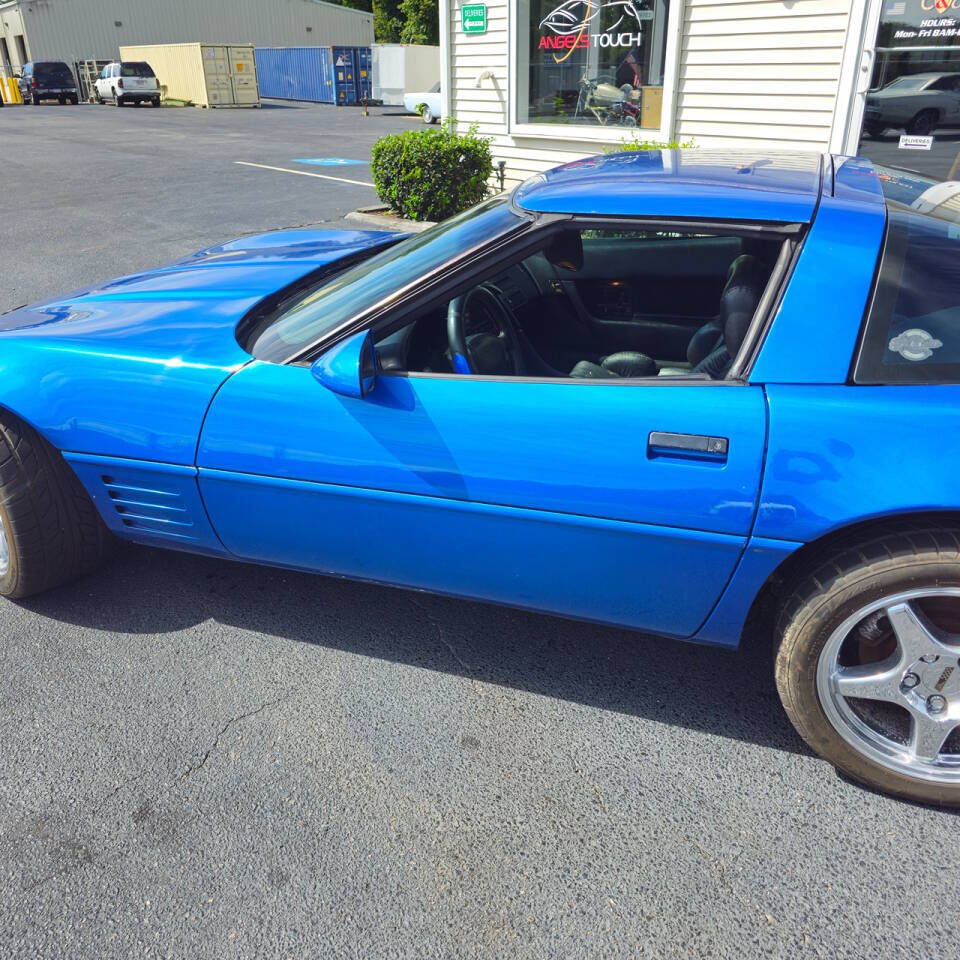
97, 97
61, 99
874, 130
53, 532
899, 558
75, 100
924, 123
155, 102
35, 100
117, 99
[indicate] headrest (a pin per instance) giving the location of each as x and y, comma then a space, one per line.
746, 281
565, 250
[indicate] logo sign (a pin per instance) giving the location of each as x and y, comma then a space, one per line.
474, 18
915, 143
574, 25
914, 344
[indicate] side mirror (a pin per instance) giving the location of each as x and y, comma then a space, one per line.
350, 367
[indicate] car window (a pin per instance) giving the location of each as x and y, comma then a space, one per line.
135, 70
54, 71
912, 331
377, 280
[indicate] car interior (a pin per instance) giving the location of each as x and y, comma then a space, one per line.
597, 304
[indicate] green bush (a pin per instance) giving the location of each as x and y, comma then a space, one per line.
431, 174
637, 144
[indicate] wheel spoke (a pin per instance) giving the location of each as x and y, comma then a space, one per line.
927, 735
871, 681
915, 635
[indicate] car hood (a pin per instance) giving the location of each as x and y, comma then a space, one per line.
128, 368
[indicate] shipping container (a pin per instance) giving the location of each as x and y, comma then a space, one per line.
340, 75
205, 74
400, 68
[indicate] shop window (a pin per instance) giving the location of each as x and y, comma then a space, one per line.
591, 63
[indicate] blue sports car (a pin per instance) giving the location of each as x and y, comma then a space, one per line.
684, 393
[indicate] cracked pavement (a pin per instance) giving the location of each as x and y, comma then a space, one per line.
204, 759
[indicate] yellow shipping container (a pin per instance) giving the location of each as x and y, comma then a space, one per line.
205, 74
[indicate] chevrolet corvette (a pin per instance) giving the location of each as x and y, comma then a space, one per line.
686, 393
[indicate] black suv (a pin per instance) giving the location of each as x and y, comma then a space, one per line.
48, 80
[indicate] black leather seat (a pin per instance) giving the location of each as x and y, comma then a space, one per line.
712, 348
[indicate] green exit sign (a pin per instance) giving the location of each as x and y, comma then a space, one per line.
474, 18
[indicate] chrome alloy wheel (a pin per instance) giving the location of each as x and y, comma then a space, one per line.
888, 680
4, 550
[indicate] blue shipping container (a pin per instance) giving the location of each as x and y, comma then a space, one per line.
319, 74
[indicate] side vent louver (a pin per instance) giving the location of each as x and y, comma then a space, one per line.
151, 506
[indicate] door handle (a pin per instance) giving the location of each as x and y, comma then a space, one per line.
694, 445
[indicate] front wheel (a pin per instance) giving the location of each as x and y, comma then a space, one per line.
868, 666
50, 532
426, 115
923, 124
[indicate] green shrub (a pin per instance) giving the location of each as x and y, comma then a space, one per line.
431, 174
637, 144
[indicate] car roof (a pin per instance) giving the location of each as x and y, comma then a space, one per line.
705, 184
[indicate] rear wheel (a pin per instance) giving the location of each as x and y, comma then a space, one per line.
923, 124
50, 532
868, 666
117, 99
35, 100
155, 102
426, 115
874, 130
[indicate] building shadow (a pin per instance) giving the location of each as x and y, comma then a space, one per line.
726, 693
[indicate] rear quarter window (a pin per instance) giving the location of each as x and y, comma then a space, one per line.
912, 330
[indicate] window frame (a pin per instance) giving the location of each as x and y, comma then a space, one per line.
503, 253
588, 132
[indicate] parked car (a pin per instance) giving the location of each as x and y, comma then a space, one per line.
917, 102
687, 393
47, 80
425, 103
127, 82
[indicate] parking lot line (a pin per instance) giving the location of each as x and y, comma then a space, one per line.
303, 173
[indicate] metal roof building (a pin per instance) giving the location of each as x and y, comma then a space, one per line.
74, 30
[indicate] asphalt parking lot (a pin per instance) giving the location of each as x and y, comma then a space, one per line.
204, 759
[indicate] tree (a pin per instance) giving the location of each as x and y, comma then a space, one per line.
387, 21
421, 21
364, 5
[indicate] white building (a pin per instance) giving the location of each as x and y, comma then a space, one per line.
551, 81
72, 30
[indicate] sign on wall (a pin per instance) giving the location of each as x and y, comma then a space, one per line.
474, 18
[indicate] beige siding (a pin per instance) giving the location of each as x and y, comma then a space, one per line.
760, 73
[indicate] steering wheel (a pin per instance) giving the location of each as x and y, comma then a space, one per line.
484, 353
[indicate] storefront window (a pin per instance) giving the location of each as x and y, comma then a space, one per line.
591, 63
912, 117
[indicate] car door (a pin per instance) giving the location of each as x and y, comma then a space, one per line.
627, 503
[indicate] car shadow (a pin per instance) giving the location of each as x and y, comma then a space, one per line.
725, 693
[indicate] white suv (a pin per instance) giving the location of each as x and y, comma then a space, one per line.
128, 82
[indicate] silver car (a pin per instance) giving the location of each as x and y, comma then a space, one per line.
917, 102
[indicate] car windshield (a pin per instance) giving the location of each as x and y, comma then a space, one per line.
53, 71
381, 279
135, 70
